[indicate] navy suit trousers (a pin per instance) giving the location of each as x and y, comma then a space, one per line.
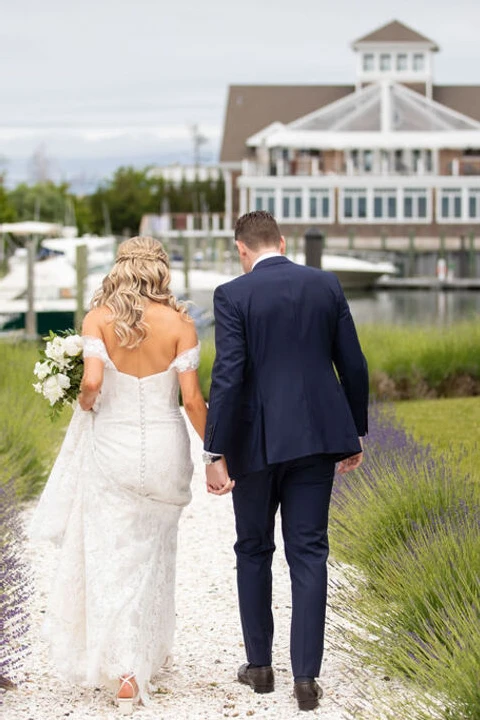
302, 488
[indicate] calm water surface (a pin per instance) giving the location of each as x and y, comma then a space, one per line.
401, 306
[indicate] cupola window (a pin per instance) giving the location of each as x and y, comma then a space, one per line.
368, 62
419, 62
385, 62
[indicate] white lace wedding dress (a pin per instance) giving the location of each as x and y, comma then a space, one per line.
113, 502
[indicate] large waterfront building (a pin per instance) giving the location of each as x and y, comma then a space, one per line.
392, 153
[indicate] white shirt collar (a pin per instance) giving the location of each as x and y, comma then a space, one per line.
266, 256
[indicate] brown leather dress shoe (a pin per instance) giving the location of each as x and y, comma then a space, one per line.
260, 679
308, 694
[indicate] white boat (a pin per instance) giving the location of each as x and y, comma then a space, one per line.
353, 273
55, 275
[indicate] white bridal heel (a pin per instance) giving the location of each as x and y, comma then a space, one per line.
125, 705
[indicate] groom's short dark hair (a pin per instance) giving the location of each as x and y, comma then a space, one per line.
257, 229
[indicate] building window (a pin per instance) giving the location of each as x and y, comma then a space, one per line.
451, 204
368, 62
428, 161
474, 203
292, 204
265, 200
368, 160
385, 62
415, 203
419, 62
416, 158
399, 162
320, 204
355, 204
401, 62
385, 203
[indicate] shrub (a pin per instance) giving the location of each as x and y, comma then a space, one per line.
410, 521
423, 361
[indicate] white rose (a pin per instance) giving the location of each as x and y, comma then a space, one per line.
42, 369
63, 380
55, 351
52, 389
73, 345
38, 387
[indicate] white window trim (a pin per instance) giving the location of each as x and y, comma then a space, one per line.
326, 192
415, 219
473, 192
341, 209
293, 193
464, 218
265, 192
371, 220
385, 193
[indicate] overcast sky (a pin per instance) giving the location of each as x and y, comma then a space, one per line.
92, 78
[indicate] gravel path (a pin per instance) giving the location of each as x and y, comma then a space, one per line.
209, 647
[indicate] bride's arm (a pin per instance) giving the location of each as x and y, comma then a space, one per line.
192, 397
93, 367
193, 401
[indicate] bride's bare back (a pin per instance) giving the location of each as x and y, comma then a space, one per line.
169, 333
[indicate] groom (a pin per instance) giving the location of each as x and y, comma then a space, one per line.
280, 417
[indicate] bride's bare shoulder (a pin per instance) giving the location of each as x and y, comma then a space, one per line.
95, 320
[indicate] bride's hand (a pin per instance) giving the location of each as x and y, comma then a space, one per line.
218, 481
83, 402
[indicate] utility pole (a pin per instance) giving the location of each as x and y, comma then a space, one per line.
198, 141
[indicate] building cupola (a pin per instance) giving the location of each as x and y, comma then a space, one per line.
396, 54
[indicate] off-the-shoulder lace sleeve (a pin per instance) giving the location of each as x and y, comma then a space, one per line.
94, 347
187, 360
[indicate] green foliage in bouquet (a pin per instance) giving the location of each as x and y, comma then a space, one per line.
60, 370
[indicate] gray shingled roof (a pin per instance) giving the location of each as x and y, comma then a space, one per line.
395, 31
250, 108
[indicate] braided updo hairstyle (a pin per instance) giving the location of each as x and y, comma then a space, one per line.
141, 273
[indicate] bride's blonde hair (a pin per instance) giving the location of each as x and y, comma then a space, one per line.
141, 273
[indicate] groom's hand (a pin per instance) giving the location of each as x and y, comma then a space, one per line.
351, 463
218, 481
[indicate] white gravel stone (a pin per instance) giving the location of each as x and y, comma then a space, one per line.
201, 684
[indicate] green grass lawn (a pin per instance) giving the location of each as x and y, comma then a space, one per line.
448, 424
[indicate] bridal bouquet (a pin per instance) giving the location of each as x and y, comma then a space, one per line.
59, 370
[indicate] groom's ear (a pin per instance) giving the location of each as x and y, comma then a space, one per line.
241, 247
283, 246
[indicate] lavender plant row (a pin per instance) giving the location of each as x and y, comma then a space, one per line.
411, 522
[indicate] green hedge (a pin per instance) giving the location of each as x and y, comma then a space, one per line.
408, 362
422, 361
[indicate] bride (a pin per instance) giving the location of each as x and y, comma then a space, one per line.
122, 477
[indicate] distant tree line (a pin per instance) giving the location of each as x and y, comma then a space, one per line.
116, 206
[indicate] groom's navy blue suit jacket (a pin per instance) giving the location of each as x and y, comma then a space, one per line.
279, 331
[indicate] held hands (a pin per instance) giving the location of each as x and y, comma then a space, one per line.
351, 463
218, 481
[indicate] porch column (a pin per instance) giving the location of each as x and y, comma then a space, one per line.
243, 200
228, 199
